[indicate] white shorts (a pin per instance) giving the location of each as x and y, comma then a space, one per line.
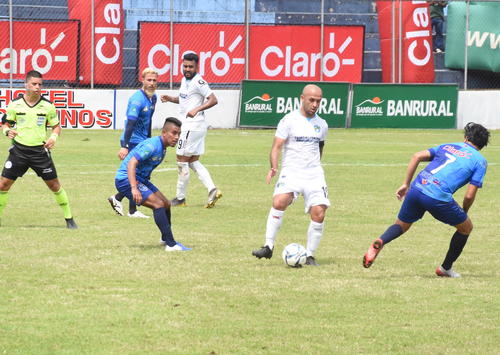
313, 189
191, 143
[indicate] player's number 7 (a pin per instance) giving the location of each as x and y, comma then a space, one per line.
449, 159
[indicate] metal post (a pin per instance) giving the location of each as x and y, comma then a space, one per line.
171, 44
393, 43
92, 44
247, 37
400, 41
322, 39
11, 45
466, 52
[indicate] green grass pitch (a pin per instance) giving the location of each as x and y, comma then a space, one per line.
109, 287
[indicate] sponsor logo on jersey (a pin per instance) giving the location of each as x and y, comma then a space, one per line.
142, 187
317, 128
306, 139
40, 120
455, 151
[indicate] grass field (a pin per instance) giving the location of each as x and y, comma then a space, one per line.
109, 287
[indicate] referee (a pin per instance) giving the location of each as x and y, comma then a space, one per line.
27, 119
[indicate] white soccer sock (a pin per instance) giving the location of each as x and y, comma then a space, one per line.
203, 174
314, 233
274, 220
182, 180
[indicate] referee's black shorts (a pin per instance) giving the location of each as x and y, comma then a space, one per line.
22, 157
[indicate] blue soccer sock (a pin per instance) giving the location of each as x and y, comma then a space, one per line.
457, 244
391, 233
161, 220
132, 207
119, 196
169, 216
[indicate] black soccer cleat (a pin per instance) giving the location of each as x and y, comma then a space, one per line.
264, 252
178, 202
70, 223
310, 260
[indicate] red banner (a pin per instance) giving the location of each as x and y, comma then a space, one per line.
51, 48
108, 39
417, 60
276, 52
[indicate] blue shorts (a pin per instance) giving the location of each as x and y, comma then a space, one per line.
146, 188
417, 203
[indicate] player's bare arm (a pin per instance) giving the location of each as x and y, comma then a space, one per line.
415, 160
274, 158
211, 101
168, 98
131, 167
470, 196
9, 131
56, 131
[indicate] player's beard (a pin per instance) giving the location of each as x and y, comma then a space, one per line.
191, 75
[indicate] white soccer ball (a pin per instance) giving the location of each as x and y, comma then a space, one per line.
294, 255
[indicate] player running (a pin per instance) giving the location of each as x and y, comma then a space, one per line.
133, 179
301, 135
26, 124
452, 165
195, 96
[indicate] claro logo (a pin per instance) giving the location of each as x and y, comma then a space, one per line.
421, 36
109, 53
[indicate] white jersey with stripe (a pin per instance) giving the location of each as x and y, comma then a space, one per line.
192, 94
301, 148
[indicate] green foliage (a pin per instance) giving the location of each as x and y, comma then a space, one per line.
109, 287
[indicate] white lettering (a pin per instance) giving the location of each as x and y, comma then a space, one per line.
263, 58
151, 58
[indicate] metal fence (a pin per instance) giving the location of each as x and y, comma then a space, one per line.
92, 43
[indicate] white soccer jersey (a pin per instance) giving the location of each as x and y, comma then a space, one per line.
192, 94
301, 148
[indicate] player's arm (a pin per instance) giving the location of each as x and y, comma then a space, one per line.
129, 129
321, 145
168, 98
274, 157
210, 102
131, 168
56, 131
9, 121
418, 157
470, 196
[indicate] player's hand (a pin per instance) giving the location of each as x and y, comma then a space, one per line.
136, 195
192, 113
12, 133
270, 175
49, 144
401, 192
165, 98
122, 153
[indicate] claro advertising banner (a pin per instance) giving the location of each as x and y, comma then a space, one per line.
275, 52
404, 106
76, 108
264, 103
483, 37
49, 47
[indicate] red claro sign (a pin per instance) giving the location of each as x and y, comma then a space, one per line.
276, 52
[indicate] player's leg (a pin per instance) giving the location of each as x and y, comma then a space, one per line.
62, 200
214, 194
182, 169
5, 185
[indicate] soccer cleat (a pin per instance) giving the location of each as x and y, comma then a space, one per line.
137, 214
213, 196
310, 260
177, 247
264, 252
70, 223
116, 205
442, 272
372, 252
178, 202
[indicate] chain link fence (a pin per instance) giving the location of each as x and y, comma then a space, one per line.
106, 44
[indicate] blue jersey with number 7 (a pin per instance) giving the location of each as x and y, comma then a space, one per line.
452, 166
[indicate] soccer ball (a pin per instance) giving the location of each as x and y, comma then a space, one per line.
294, 255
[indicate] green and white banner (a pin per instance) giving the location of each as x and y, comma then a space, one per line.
483, 37
264, 103
404, 106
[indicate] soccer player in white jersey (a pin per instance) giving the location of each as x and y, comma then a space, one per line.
301, 136
195, 96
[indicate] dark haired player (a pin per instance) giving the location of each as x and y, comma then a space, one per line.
26, 124
452, 165
195, 96
133, 179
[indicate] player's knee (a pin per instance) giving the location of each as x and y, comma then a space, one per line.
465, 228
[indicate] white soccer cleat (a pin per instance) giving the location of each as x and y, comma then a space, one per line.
441, 272
116, 205
137, 214
177, 247
213, 196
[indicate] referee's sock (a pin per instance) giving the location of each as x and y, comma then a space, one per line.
161, 220
457, 244
63, 202
4, 197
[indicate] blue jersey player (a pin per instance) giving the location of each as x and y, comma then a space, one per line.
140, 110
133, 179
451, 166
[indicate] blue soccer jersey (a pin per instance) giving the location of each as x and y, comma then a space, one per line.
140, 108
149, 153
452, 166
